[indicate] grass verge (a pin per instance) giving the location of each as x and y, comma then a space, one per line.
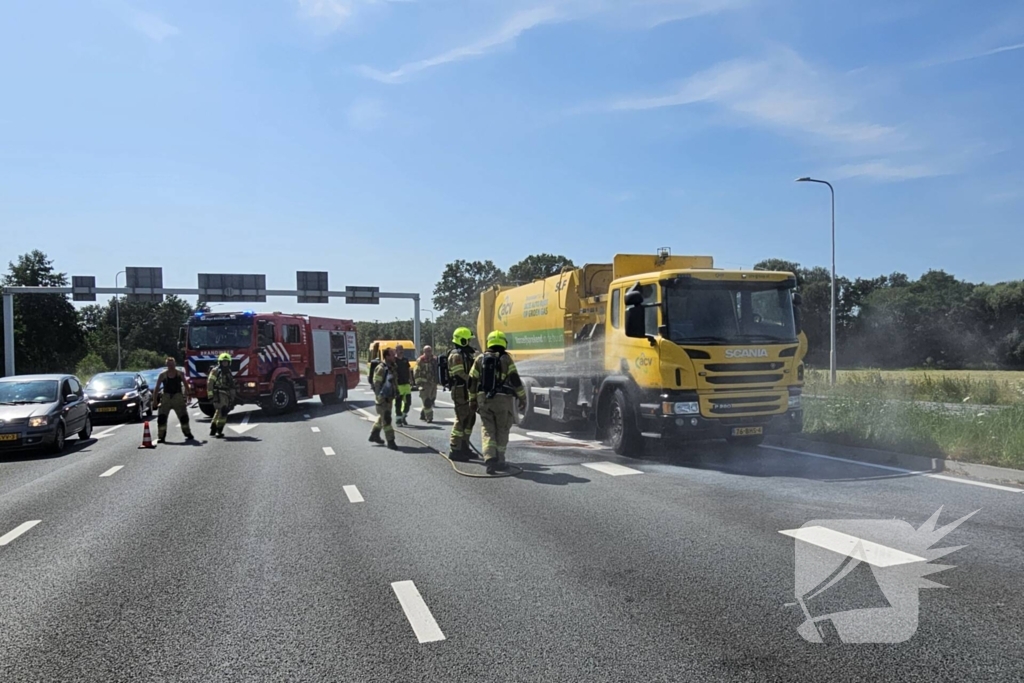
952, 386
993, 437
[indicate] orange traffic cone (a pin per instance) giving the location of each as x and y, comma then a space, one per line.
147, 440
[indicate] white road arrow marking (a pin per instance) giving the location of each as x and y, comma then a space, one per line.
244, 427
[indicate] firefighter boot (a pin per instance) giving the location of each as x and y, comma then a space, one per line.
492, 465
375, 437
392, 445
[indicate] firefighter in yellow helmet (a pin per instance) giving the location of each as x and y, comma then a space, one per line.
460, 361
220, 386
497, 383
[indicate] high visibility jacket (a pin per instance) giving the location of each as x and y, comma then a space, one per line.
459, 364
426, 371
506, 377
220, 379
384, 384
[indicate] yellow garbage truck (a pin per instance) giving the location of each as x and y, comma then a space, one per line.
656, 346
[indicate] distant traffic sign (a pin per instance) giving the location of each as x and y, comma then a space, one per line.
83, 288
362, 295
312, 286
232, 287
144, 279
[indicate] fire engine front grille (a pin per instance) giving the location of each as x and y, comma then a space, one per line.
202, 367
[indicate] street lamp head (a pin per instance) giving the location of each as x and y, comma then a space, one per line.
804, 179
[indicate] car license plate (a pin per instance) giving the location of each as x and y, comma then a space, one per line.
8, 437
747, 431
106, 410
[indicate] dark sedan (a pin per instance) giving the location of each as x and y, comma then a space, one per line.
41, 411
119, 395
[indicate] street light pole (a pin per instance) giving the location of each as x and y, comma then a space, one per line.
427, 310
117, 316
832, 351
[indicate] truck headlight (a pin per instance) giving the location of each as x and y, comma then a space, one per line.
685, 408
250, 385
794, 401
39, 421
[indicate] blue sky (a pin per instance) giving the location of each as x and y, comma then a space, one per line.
381, 139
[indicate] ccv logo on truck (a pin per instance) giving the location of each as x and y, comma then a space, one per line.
746, 353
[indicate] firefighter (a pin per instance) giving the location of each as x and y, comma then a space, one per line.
426, 380
403, 376
220, 386
172, 392
496, 381
385, 388
460, 362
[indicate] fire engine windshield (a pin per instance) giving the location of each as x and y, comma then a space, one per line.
729, 312
220, 334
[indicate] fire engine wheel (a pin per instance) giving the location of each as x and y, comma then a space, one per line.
529, 419
282, 398
207, 409
339, 395
623, 435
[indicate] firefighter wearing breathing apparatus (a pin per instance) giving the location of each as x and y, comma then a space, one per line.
385, 389
497, 383
459, 363
426, 380
220, 385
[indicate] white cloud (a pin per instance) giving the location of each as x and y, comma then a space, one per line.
365, 114
629, 13
883, 169
505, 35
332, 14
781, 92
152, 26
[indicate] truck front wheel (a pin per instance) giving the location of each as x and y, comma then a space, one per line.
623, 434
282, 398
337, 396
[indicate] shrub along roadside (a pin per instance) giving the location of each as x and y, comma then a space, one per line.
986, 436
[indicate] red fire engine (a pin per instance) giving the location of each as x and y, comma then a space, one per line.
277, 358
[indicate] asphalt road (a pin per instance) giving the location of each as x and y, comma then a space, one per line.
247, 559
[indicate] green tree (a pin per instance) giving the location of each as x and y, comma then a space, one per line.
458, 292
47, 336
537, 267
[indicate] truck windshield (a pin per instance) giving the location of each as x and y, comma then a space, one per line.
729, 312
226, 334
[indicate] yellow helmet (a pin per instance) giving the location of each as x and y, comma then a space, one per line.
461, 336
497, 338
224, 357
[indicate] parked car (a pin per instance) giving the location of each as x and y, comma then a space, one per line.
119, 395
41, 411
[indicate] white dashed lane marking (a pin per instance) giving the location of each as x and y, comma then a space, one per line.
858, 548
328, 450
353, 494
417, 612
611, 468
314, 429
113, 470
18, 531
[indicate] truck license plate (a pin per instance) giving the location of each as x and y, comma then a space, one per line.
8, 437
106, 410
747, 431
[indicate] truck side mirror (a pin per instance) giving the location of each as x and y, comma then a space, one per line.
798, 301
181, 337
633, 296
636, 322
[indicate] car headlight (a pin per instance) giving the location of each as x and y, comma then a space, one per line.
682, 408
41, 421
794, 401
131, 394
